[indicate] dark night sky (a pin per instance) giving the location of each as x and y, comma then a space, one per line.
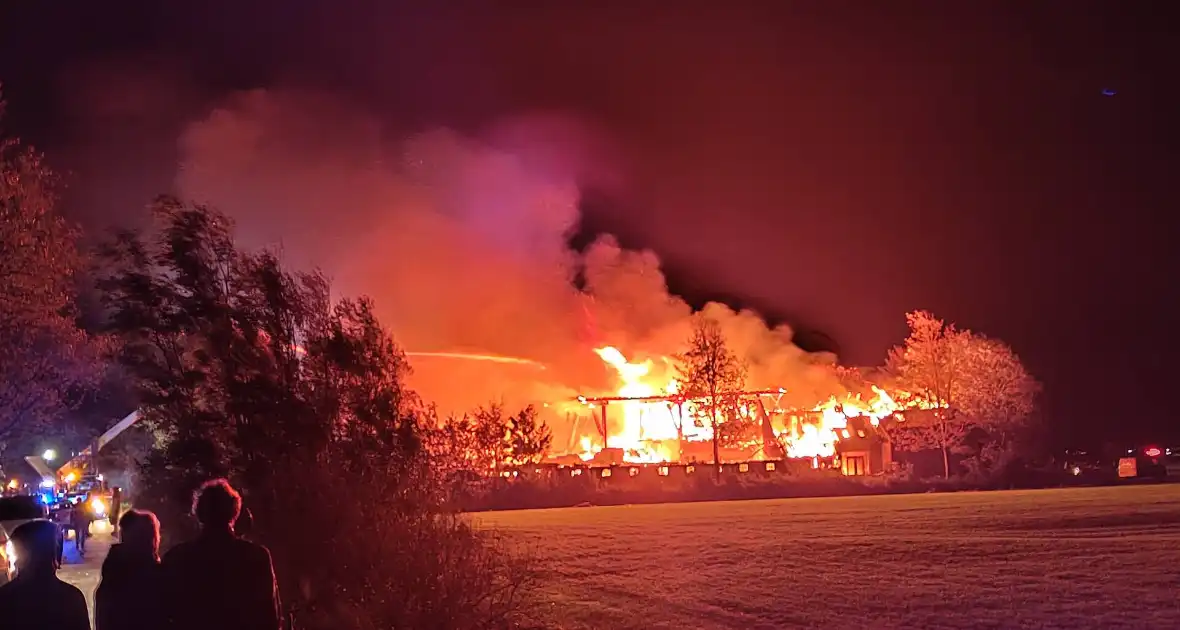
844, 162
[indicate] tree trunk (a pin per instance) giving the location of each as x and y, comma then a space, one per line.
716, 447
946, 464
605, 428
680, 435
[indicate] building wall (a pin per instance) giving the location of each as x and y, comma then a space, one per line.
877, 454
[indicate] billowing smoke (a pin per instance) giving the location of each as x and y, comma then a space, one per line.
463, 243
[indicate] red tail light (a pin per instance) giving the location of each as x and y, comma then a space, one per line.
1152, 451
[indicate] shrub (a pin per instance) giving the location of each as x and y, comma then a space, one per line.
360, 558
249, 372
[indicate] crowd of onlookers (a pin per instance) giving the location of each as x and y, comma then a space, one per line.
217, 580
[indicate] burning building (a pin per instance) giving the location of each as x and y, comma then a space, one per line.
863, 449
647, 421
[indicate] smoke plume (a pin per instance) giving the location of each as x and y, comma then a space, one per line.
463, 243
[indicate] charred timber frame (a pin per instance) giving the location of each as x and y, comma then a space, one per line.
673, 398
604, 401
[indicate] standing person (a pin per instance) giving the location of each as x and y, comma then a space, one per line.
36, 599
81, 517
218, 580
128, 598
63, 524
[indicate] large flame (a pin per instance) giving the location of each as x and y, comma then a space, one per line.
647, 430
649, 424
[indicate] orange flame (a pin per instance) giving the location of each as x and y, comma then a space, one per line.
653, 431
650, 430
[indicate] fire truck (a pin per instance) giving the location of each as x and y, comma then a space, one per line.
79, 478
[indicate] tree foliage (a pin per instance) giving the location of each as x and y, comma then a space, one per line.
47, 362
1002, 392
487, 439
962, 381
491, 437
255, 373
528, 438
712, 376
738, 429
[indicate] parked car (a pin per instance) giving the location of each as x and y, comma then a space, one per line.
14, 512
1144, 463
1085, 463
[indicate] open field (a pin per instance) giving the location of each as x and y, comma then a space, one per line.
1072, 558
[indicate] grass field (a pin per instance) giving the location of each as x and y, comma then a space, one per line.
1075, 558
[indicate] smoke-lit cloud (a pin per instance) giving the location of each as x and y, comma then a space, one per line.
463, 243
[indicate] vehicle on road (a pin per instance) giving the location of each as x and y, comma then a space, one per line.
97, 499
1087, 464
1144, 463
14, 512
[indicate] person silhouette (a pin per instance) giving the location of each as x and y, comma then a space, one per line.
36, 599
244, 526
81, 516
128, 597
219, 580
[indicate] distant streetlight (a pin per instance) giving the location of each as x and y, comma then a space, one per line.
49, 455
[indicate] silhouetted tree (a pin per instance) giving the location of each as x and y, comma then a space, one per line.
491, 436
47, 361
711, 375
528, 438
255, 373
455, 442
486, 440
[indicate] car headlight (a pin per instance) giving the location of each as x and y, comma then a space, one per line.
10, 556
